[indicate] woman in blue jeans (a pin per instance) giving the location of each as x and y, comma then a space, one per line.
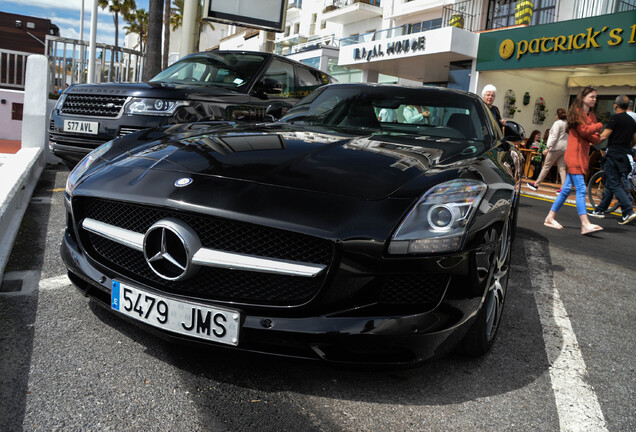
583, 129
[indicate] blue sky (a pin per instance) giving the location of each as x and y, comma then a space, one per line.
66, 15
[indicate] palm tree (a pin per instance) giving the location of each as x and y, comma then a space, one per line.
138, 24
176, 19
116, 7
152, 62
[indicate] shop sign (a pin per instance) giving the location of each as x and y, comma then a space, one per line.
390, 48
601, 39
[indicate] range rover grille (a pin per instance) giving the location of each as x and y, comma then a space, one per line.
209, 283
93, 105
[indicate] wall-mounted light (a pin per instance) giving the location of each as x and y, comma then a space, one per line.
18, 23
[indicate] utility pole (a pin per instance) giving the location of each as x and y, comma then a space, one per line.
189, 26
92, 45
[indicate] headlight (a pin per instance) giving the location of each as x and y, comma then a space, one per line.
438, 221
157, 107
84, 165
60, 102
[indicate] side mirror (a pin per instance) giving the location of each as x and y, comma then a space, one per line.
513, 131
270, 86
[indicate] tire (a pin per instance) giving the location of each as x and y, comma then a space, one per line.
494, 267
595, 189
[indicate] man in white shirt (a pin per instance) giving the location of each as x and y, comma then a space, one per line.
387, 115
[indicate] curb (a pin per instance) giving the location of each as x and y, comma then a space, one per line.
25, 167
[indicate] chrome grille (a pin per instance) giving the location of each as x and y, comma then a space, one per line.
93, 105
125, 130
209, 283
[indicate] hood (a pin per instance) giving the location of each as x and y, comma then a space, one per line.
152, 89
328, 161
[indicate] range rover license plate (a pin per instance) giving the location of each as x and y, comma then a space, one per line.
84, 127
177, 316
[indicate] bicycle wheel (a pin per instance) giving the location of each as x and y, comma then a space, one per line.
595, 189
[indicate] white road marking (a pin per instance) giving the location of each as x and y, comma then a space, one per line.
576, 401
54, 282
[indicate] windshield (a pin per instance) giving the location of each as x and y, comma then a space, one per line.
231, 70
436, 113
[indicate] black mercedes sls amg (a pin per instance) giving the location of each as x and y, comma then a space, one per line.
372, 224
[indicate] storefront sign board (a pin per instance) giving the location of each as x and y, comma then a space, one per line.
602, 39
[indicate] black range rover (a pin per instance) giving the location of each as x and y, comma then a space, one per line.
215, 85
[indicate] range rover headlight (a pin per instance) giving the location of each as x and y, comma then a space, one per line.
152, 106
60, 102
81, 168
437, 223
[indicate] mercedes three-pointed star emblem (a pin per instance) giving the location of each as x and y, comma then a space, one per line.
168, 248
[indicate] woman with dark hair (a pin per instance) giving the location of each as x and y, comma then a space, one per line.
554, 152
583, 129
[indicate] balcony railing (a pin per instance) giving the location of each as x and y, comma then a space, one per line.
316, 43
68, 59
467, 10
13, 68
392, 32
336, 4
589, 8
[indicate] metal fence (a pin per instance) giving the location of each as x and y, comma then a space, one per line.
586, 8
68, 62
469, 11
13, 68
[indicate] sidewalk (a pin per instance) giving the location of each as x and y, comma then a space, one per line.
10, 146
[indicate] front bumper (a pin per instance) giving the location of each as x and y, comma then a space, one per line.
351, 336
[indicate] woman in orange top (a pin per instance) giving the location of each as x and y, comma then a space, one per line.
583, 129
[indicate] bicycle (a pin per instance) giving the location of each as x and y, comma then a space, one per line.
596, 187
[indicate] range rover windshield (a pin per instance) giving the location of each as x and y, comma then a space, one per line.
229, 70
392, 110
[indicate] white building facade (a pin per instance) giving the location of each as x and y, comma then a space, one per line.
437, 42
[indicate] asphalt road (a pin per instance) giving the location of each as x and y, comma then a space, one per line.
564, 358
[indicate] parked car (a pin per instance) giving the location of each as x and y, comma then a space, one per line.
216, 85
328, 235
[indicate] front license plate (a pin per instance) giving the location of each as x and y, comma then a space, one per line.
84, 127
177, 316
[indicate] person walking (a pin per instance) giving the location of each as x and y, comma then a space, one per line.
620, 133
555, 150
583, 129
630, 110
488, 94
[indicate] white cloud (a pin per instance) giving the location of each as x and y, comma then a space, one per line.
55, 4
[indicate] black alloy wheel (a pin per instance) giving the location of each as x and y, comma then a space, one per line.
494, 266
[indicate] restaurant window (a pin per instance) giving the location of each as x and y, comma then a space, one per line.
501, 13
425, 25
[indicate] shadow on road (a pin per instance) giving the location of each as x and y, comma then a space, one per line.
222, 378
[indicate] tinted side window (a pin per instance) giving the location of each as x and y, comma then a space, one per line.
308, 80
282, 72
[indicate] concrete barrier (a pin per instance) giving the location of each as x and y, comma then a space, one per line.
24, 169
19, 173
